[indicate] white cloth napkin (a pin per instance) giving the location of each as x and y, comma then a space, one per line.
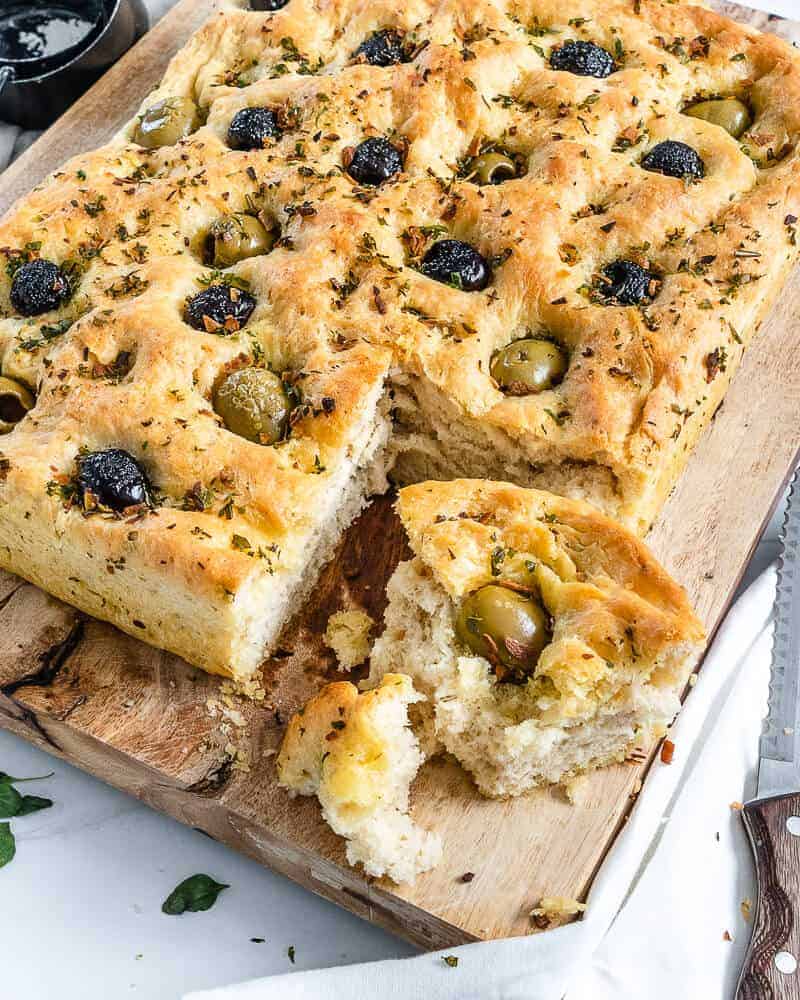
665, 896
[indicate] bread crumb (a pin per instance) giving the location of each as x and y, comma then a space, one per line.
727, 936
746, 906
737, 806
557, 906
347, 635
575, 790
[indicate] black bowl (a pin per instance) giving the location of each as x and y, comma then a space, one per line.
38, 84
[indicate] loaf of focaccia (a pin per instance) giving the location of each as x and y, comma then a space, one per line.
535, 235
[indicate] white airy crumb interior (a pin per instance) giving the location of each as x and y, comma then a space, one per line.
383, 837
434, 439
496, 730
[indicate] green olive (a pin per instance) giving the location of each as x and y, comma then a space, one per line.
493, 168
15, 401
166, 121
254, 404
528, 366
728, 112
234, 237
509, 628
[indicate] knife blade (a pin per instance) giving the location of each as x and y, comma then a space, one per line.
772, 820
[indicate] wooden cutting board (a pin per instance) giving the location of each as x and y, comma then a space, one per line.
141, 719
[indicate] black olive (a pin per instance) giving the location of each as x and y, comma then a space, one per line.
219, 309
675, 159
583, 59
374, 161
269, 5
628, 282
456, 263
113, 478
384, 48
38, 287
251, 127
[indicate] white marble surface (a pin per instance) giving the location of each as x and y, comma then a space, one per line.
80, 915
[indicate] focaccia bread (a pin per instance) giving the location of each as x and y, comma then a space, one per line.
314, 192
546, 638
358, 755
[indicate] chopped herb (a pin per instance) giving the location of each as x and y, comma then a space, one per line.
451, 960
94, 208
497, 559
290, 953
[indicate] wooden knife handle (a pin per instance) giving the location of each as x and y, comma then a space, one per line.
776, 923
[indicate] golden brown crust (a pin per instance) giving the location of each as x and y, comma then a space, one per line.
340, 299
599, 579
336, 740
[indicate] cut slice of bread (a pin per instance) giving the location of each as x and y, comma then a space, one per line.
358, 755
623, 636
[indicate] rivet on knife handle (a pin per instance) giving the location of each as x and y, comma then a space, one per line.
772, 967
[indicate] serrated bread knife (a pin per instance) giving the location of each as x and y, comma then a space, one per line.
772, 819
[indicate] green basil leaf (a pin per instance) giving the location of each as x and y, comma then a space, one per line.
199, 892
8, 846
33, 803
10, 801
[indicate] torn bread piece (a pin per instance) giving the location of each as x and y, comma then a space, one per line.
348, 635
358, 755
547, 639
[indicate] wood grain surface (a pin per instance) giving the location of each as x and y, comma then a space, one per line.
147, 723
776, 922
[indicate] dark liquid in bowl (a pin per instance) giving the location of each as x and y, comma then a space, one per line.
40, 32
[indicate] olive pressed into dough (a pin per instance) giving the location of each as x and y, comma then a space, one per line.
507, 627
219, 308
38, 287
456, 263
674, 159
374, 161
236, 237
728, 113
492, 168
583, 59
383, 48
112, 478
251, 128
254, 404
529, 365
166, 122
